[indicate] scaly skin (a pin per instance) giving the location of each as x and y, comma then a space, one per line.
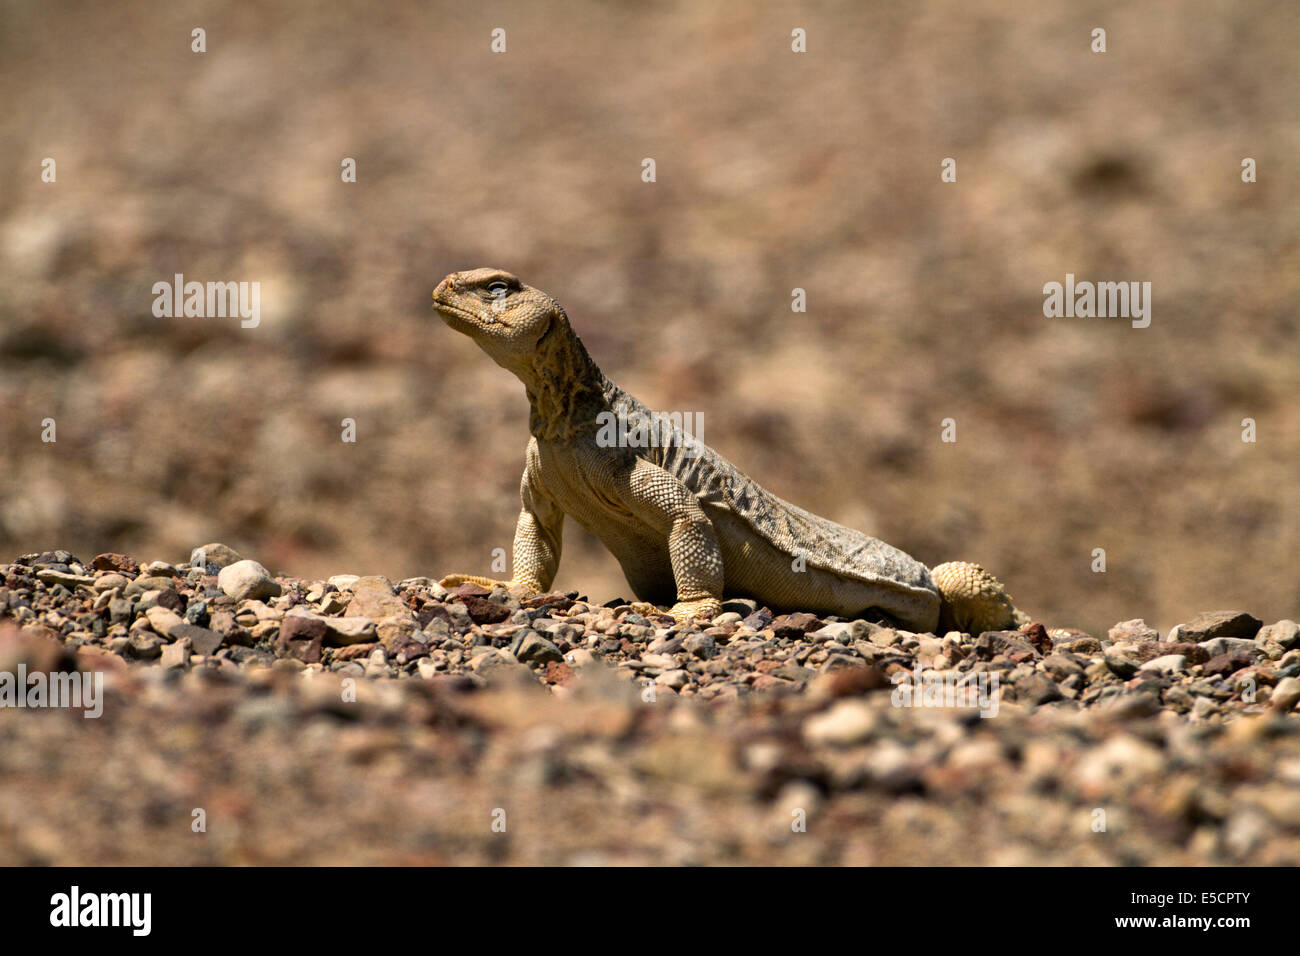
685, 524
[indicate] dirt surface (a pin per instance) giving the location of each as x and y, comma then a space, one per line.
251, 719
775, 171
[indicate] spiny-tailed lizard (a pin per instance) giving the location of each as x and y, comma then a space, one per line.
686, 525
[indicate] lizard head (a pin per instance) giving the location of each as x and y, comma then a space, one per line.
505, 317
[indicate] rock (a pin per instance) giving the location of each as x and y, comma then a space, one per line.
201, 639
1122, 660
701, 646
302, 637
1060, 666
1013, 644
343, 582
1088, 646
247, 579
1286, 694
1166, 664
1230, 645
373, 597
795, 625
69, 581
1037, 637
744, 607
484, 611
1212, 624
847, 722
558, 672
163, 621
145, 646
836, 662
495, 667
147, 583
1221, 665
215, 555
110, 580
1037, 689
1133, 632
114, 562
174, 655
350, 630
1285, 633
396, 631
676, 679
841, 632
532, 648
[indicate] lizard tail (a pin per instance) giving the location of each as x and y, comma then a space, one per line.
973, 601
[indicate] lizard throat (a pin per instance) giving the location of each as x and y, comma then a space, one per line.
567, 390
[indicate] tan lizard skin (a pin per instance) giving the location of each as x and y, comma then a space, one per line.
685, 524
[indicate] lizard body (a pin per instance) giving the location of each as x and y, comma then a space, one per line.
684, 523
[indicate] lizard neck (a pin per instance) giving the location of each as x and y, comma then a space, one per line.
566, 389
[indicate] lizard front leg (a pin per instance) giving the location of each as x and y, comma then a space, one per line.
665, 503
536, 549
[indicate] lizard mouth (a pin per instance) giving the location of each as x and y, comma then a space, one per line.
464, 314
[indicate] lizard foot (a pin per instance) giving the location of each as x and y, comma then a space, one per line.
456, 580
684, 612
973, 601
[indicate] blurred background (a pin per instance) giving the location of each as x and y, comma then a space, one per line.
775, 171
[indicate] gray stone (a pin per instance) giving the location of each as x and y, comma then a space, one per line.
216, 555
68, 580
1120, 659
535, 649
1285, 633
1214, 624
201, 639
1166, 664
109, 580
1133, 632
700, 645
1230, 645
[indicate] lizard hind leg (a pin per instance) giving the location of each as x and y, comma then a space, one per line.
973, 601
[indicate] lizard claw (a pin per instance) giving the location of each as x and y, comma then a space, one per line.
684, 612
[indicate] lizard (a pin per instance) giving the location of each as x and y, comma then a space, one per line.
684, 523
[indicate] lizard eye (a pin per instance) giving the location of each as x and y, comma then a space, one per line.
498, 288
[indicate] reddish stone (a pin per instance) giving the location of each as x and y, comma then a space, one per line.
851, 681
795, 625
1036, 635
109, 561
484, 611
301, 637
558, 672
353, 651
1226, 664
553, 600
768, 682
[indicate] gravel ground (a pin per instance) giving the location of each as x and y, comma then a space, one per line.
357, 721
